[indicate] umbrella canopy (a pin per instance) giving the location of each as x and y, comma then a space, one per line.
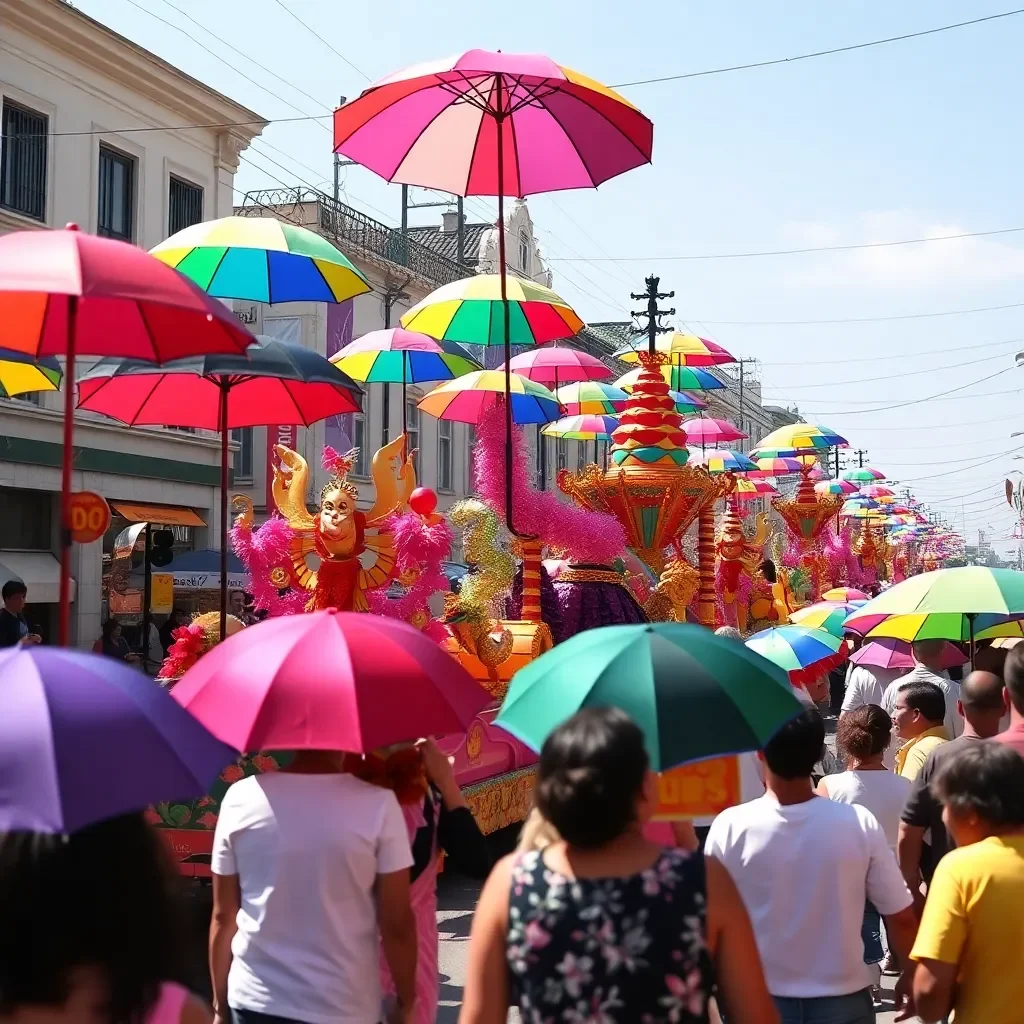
1007, 641
493, 124
591, 396
262, 259
468, 398
887, 652
470, 312
777, 465
749, 490
84, 738
694, 694
835, 487
826, 615
275, 382
863, 475
105, 298
846, 594
557, 364
704, 430
683, 350
1014, 628
877, 491
721, 460
21, 374
398, 356
678, 378
799, 438
949, 604
329, 681
805, 653
590, 427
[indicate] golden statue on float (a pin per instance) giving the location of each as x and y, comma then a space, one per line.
739, 559
356, 550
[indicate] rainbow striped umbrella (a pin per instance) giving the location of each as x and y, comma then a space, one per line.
844, 594
826, 615
863, 475
470, 312
21, 374
262, 259
678, 378
877, 491
683, 349
805, 653
799, 438
835, 487
748, 490
720, 460
468, 398
591, 396
590, 427
776, 465
397, 356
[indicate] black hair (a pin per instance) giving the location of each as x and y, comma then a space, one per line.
986, 778
864, 731
591, 772
108, 629
926, 698
768, 571
1013, 674
797, 747
100, 898
12, 588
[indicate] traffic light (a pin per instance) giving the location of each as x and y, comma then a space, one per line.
163, 544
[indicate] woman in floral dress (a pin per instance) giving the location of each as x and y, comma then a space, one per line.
604, 926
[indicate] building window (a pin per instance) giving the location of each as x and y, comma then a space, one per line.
23, 161
27, 520
562, 453
524, 252
243, 457
361, 466
412, 425
470, 448
116, 195
184, 205
444, 455
581, 455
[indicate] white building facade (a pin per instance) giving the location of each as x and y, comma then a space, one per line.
91, 135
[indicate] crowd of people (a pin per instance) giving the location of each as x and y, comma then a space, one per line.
906, 852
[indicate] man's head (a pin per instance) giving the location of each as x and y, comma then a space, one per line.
796, 748
14, 593
982, 702
236, 602
1013, 673
929, 653
919, 707
982, 792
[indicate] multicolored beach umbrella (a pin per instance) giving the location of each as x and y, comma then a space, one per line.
467, 399
863, 475
835, 487
798, 439
682, 350
749, 490
588, 427
557, 364
591, 396
826, 615
805, 653
21, 374
721, 460
470, 312
397, 356
262, 259
678, 378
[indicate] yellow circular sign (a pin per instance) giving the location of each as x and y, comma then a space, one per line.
88, 517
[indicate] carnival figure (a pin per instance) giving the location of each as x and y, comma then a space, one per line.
739, 557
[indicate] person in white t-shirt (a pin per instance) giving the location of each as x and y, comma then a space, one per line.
310, 879
927, 668
804, 867
865, 684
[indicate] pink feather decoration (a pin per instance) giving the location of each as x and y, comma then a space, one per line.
583, 536
262, 551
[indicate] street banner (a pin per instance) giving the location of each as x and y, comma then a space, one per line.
699, 790
161, 599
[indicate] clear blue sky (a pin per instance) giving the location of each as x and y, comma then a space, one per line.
905, 140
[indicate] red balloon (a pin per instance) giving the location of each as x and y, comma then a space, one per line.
423, 501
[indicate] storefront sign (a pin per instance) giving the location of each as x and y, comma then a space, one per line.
88, 516
161, 595
284, 434
207, 580
698, 790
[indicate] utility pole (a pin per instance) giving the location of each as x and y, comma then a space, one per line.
460, 237
339, 163
860, 453
392, 295
742, 364
653, 314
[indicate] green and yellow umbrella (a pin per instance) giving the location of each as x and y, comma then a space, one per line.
261, 259
586, 397
470, 312
21, 374
682, 350
678, 378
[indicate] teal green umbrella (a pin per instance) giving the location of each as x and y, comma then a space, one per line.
694, 694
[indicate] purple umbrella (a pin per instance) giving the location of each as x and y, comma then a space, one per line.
84, 737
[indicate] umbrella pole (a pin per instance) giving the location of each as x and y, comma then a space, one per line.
405, 412
64, 620
223, 421
970, 623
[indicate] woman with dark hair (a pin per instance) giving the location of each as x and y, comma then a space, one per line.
75, 951
114, 645
862, 738
601, 923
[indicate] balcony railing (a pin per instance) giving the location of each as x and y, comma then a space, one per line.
349, 227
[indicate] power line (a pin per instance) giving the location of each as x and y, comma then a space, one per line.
863, 319
794, 252
918, 401
907, 355
337, 53
819, 53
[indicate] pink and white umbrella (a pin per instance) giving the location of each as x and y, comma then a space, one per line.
703, 430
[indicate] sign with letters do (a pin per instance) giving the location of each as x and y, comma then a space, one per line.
699, 790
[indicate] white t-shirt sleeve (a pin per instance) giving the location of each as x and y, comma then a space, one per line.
853, 697
393, 849
885, 886
223, 861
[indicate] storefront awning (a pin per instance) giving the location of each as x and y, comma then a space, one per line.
162, 515
38, 570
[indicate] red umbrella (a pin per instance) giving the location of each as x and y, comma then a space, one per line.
274, 382
329, 681
66, 293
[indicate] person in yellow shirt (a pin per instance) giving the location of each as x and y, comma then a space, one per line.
917, 716
970, 945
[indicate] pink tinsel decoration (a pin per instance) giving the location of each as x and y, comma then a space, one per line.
332, 462
418, 545
262, 551
583, 536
